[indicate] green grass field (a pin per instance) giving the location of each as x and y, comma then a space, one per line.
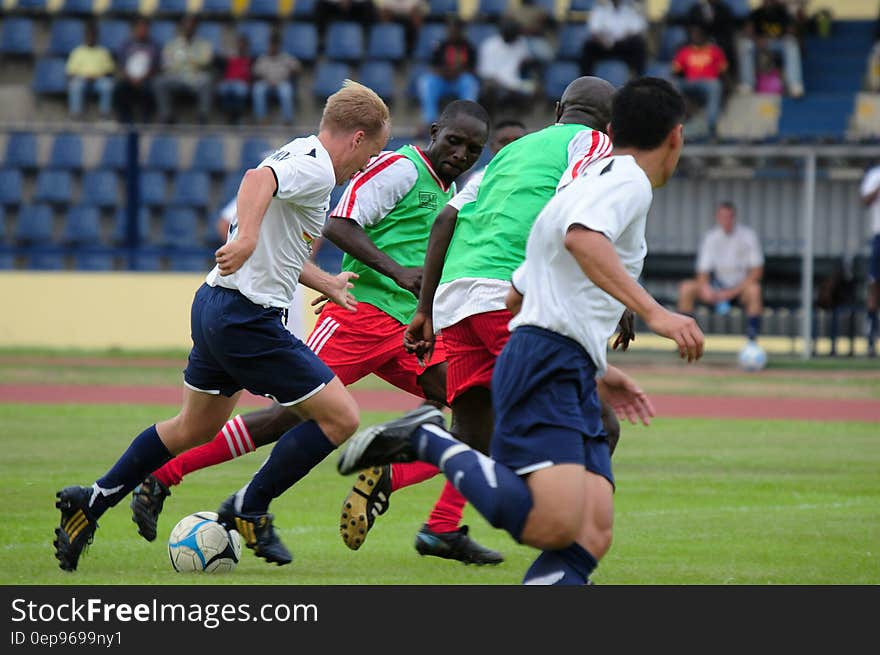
699, 501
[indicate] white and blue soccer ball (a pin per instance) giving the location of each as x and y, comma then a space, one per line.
198, 543
752, 357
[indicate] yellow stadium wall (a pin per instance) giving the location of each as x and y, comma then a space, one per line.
100, 310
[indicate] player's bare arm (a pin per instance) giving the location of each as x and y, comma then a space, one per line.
350, 237
334, 288
625, 397
869, 198
257, 188
626, 331
597, 258
513, 300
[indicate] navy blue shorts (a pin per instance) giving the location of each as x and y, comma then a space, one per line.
239, 345
547, 408
874, 268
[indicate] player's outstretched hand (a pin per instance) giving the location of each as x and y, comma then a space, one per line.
683, 330
338, 293
626, 331
625, 397
410, 278
231, 256
418, 338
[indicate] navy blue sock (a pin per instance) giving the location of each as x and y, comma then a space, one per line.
753, 327
569, 566
297, 452
496, 492
145, 454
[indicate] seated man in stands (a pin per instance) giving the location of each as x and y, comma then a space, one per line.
729, 269
700, 67
771, 26
186, 67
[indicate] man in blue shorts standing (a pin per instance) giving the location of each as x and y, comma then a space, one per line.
239, 337
549, 481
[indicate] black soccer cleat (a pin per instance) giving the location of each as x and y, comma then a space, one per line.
369, 498
387, 442
257, 532
146, 504
77, 527
455, 545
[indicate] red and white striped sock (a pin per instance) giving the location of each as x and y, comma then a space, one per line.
232, 441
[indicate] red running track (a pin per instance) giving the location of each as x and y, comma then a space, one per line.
676, 406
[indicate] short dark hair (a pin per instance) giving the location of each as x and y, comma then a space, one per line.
509, 122
727, 204
467, 107
644, 111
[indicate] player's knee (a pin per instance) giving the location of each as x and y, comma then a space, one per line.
340, 424
550, 531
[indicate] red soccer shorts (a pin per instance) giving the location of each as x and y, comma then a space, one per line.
355, 344
472, 346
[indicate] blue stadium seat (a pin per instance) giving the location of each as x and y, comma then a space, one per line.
153, 189
264, 9
78, 7
171, 7
11, 181
303, 8
547, 5
301, 41
17, 37
54, 186
230, 185
162, 31
91, 259
614, 70
491, 9
21, 151
479, 32
253, 151
67, 152
816, 116
222, 7
38, 6
679, 8
581, 5
386, 41
112, 33
34, 226
571, 41
191, 189
414, 72
662, 69
82, 226
146, 260
50, 77
114, 155
190, 262
64, 35
429, 36
209, 155
329, 76
442, 8
124, 7
673, 37
3, 238
120, 228
740, 8
180, 228
379, 76
257, 32
557, 76
163, 153
212, 33
100, 187
344, 41
45, 260
7, 260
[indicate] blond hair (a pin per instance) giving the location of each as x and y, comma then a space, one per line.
355, 107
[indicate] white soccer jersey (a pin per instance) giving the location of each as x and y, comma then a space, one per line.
458, 299
613, 197
870, 183
729, 256
295, 216
375, 191
468, 192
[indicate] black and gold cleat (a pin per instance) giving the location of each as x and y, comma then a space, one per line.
146, 504
369, 498
257, 532
77, 527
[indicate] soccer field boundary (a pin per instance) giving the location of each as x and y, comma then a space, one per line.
667, 405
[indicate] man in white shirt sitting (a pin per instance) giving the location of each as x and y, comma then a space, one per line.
617, 30
501, 63
729, 269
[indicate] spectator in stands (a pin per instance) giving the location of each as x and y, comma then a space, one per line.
186, 67
451, 75
502, 61
328, 11
769, 73
234, 88
409, 13
536, 25
138, 65
275, 73
870, 192
720, 25
770, 26
617, 29
730, 264
90, 70
700, 67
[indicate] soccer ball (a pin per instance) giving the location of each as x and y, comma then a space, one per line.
752, 357
199, 543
